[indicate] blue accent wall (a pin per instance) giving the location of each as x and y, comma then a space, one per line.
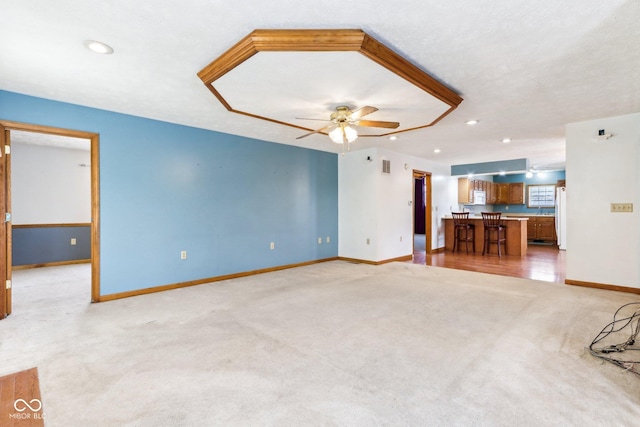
47, 244
167, 188
545, 178
490, 167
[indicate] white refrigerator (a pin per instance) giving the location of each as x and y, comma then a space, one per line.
561, 217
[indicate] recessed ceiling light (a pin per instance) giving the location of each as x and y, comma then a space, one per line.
393, 138
98, 47
437, 150
502, 173
506, 140
472, 122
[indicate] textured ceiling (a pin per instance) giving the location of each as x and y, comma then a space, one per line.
524, 69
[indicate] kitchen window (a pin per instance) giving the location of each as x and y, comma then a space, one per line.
541, 196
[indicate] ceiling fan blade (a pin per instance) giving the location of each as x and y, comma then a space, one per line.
306, 118
378, 124
315, 131
361, 112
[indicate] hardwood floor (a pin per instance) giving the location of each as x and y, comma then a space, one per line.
20, 401
545, 263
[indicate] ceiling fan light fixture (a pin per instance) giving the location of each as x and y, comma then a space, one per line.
350, 133
337, 135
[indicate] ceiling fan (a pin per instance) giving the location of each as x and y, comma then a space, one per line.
343, 122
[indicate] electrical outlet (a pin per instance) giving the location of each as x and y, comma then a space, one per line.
368, 241
183, 254
621, 207
401, 238
319, 240
328, 239
272, 245
73, 241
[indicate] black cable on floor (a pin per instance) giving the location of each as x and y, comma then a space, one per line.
613, 353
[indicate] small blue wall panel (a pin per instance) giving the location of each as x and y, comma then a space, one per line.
49, 244
490, 167
167, 188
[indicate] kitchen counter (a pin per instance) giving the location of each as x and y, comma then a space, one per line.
503, 218
516, 234
528, 215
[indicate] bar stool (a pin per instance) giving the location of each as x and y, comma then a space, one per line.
463, 231
493, 226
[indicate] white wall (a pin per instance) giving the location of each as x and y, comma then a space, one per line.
48, 185
603, 247
376, 206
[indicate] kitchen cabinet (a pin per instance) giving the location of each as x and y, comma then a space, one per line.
541, 228
502, 197
496, 193
465, 191
516, 193
510, 193
492, 195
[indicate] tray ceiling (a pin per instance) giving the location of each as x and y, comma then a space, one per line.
288, 76
525, 69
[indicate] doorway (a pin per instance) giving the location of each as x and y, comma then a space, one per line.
422, 225
6, 234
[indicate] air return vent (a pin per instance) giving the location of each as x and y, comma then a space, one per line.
386, 166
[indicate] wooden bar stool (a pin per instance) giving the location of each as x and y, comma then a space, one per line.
493, 227
463, 231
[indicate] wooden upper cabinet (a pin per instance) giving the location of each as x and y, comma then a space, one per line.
496, 193
465, 191
516, 193
502, 196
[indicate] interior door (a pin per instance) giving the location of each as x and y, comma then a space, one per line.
5, 229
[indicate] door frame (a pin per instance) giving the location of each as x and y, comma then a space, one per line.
5, 229
94, 139
428, 205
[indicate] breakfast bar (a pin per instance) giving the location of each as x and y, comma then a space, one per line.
516, 234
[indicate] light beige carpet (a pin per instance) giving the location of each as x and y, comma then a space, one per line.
329, 344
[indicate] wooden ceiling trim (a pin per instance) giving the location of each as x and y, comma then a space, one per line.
233, 57
393, 62
308, 40
324, 41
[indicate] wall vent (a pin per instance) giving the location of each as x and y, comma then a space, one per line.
386, 166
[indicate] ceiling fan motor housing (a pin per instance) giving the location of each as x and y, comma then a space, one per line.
341, 115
